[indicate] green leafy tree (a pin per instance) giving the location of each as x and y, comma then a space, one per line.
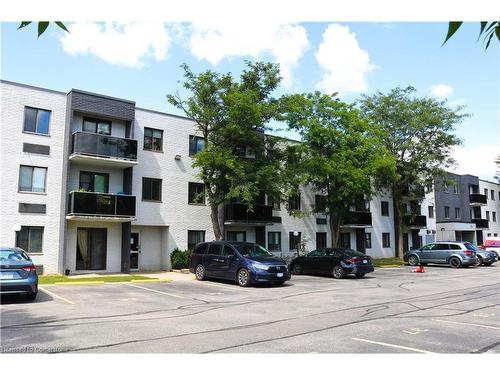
419, 134
487, 30
236, 163
42, 26
339, 156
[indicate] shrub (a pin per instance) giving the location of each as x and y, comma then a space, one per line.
179, 259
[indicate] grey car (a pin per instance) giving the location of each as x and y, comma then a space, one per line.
485, 257
17, 273
456, 254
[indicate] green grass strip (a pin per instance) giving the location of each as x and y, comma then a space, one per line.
60, 279
388, 262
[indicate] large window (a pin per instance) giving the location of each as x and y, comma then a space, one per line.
30, 239
274, 202
236, 236
36, 120
493, 216
91, 248
385, 208
386, 240
151, 189
195, 237
294, 241
319, 203
345, 240
196, 193
294, 202
92, 125
368, 240
274, 241
446, 212
492, 192
431, 212
32, 179
153, 139
320, 240
488, 215
96, 182
196, 144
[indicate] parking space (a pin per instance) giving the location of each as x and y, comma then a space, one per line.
390, 311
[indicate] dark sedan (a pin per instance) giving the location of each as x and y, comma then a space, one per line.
335, 262
17, 273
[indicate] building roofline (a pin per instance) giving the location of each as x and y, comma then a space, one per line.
102, 96
164, 113
33, 87
491, 182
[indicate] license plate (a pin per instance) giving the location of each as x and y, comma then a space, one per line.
279, 274
7, 276
365, 261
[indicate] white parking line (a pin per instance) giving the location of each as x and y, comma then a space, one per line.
52, 294
218, 285
394, 346
466, 324
155, 291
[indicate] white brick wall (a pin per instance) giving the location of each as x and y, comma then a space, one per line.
493, 205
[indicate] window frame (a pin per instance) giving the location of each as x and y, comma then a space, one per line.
152, 179
386, 236
296, 198
294, 240
194, 232
269, 236
430, 212
29, 228
92, 182
384, 204
193, 184
368, 240
36, 132
96, 121
193, 139
457, 212
19, 190
322, 235
446, 212
152, 139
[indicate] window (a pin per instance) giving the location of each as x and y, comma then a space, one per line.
319, 203
274, 241
488, 215
456, 189
196, 144
386, 240
294, 202
236, 236
294, 241
368, 240
195, 237
431, 212
320, 240
215, 249
274, 202
30, 239
494, 216
345, 240
316, 253
91, 181
91, 248
457, 213
385, 208
36, 120
499, 195
92, 125
492, 192
153, 139
442, 246
486, 193
227, 251
453, 247
445, 186
196, 193
151, 189
446, 212
495, 234
321, 221
32, 179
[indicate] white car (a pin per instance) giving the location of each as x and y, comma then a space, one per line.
492, 244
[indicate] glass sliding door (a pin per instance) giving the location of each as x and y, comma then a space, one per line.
91, 248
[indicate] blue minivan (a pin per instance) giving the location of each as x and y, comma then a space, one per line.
244, 262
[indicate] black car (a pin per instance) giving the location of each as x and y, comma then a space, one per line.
335, 262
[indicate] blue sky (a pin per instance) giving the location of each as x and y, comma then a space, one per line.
141, 62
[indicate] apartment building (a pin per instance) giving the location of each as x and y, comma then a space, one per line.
93, 183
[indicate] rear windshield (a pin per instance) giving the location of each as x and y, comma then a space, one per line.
12, 255
351, 252
253, 250
471, 246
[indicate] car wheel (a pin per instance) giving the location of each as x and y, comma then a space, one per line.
278, 283
199, 272
243, 277
338, 272
455, 262
31, 296
480, 261
412, 260
297, 269
359, 275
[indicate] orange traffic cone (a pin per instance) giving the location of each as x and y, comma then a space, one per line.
420, 269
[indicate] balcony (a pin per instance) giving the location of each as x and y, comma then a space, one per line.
237, 213
92, 206
477, 199
415, 221
358, 219
103, 150
481, 223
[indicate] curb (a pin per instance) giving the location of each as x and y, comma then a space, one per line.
76, 283
149, 281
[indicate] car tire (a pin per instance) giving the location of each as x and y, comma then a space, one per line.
413, 260
480, 261
243, 277
359, 275
338, 272
455, 262
199, 272
31, 296
279, 283
297, 269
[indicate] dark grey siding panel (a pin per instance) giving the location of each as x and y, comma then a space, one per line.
452, 200
36, 149
32, 208
104, 106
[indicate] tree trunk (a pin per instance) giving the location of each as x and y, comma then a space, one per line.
397, 199
217, 226
334, 222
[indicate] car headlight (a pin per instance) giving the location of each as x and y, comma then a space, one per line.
260, 266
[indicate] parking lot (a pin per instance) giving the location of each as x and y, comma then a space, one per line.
389, 311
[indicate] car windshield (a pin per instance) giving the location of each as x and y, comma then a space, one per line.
253, 250
471, 246
352, 253
12, 255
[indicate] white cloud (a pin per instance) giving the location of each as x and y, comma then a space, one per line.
477, 161
441, 91
121, 44
345, 64
216, 41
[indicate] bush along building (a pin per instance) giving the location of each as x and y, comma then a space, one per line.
93, 183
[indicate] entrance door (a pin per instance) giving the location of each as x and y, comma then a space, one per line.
134, 251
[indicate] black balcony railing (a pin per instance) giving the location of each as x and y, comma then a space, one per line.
358, 218
101, 204
481, 223
104, 146
477, 198
415, 220
238, 212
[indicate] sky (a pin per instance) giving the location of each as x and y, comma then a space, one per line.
140, 61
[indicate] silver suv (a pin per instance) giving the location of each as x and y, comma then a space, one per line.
456, 254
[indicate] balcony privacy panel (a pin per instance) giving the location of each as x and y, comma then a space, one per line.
100, 204
104, 146
239, 212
